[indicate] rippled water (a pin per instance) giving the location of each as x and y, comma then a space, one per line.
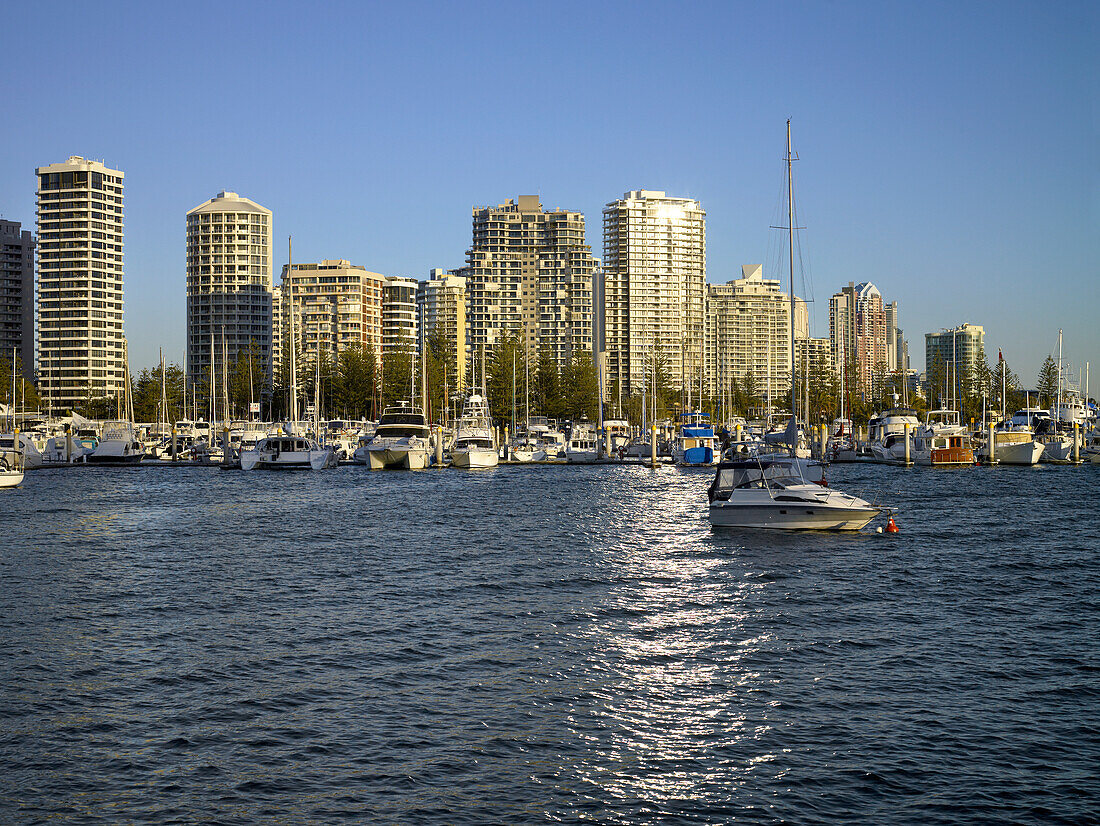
536, 644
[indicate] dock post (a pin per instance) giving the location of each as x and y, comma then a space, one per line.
507, 445
1076, 444
68, 444
824, 441
439, 446
992, 447
653, 446
908, 453
738, 432
175, 449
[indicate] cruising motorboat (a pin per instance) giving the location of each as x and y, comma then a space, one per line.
475, 443
582, 448
287, 452
63, 450
29, 455
757, 493
810, 470
402, 440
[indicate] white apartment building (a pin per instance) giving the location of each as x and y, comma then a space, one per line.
441, 301
336, 304
229, 261
529, 272
400, 317
81, 340
748, 326
654, 288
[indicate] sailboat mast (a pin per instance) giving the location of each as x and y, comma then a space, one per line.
790, 254
293, 336
1058, 404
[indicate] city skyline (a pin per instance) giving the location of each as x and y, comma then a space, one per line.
948, 177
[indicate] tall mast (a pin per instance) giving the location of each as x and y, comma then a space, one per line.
790, 251
293, 336
1058, 404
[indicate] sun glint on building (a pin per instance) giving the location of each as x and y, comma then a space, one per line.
653, 287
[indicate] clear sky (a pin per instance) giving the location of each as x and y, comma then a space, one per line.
948, 150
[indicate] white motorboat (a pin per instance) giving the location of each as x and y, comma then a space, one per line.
62, 450
402, 440
475, 443
287, 452
582, 448
808, 469
29, 455
887, 434
11, 468
1013, 446
758, 493
118, 446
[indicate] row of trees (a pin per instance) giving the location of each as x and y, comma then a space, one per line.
357, 384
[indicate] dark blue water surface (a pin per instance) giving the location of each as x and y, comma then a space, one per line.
538, 644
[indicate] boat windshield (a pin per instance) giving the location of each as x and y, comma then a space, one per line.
389, 430
401, 419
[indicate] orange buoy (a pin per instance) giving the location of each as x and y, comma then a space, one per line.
891, 525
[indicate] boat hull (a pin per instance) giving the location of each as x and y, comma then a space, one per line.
581, 457
11, 478
398, 458
474, 458
1020, 453
790, 516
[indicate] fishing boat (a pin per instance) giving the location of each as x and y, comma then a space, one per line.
475, 443
941, 441
119, 445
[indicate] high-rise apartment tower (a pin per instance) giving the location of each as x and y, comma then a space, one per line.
17, 295
654, 288
229, 255
81, 339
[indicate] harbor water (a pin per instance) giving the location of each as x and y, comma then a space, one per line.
544, 644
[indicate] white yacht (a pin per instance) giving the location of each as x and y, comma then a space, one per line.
401, 440
475, 444
119, 446
62, 450
757, 493
287, 452
1013, 445
582, 447
887, 433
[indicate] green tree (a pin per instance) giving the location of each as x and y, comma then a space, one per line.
508, 354
355, 382
546, 386
398, 366
1046, 385
581, 397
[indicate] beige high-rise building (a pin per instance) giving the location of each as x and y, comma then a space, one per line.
441, 301
336, 304
81, 339
229, 260
529, 272
749, 335
654, 288
400, 318
858, 335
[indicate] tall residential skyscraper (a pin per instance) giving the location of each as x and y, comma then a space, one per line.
400, 319
749, 335
529, 272
336, 304
857, 332
950, 356
654, 287
441, 301
229, 255
81, 340
17, 295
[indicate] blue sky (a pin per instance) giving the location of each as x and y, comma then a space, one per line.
948, 151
